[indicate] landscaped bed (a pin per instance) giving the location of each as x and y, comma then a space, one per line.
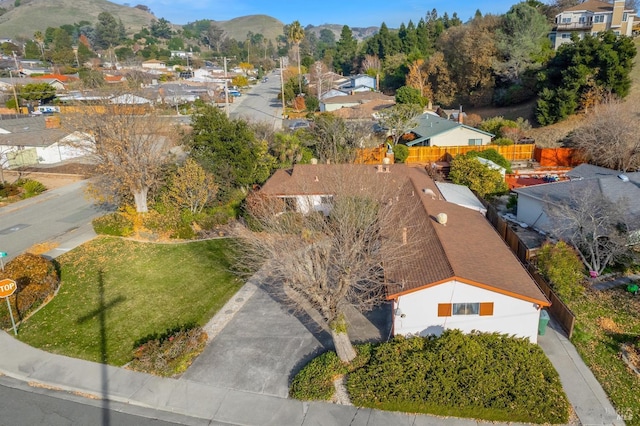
484, 376
605, 321
116, 292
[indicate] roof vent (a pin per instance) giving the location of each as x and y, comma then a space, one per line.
430, 192
441, 218
623, 178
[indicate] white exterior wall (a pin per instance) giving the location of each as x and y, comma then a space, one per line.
531, 211
310, 203
334, 107
419, 312
56, 153
459, 137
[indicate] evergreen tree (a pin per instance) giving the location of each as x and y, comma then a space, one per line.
346, 49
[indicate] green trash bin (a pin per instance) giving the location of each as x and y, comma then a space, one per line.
542, 323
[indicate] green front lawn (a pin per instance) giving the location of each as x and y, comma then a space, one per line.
604, 321
115, 292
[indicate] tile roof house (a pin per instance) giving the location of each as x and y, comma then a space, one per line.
617, 187
457, 274
433, 130
592, 17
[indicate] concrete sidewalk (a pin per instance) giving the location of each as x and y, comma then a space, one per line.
214, 404
585, 394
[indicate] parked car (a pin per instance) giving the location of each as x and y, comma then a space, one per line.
235, 93
299, 124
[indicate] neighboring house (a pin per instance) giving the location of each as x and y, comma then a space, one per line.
433, 130
36, 140
592, 17
154, 64
533, 201
354, 100
7, 83
359, 83
455, 272
129, 99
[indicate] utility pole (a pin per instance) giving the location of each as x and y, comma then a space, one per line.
15, 95
226, 88
282, 85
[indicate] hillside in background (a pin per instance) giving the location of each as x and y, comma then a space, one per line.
37, 15
358, 32
238, 28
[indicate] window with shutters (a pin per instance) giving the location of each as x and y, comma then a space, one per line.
456, 309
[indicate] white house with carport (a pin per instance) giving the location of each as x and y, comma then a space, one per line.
432, 130
456, 270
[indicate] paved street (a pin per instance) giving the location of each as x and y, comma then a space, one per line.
47, 217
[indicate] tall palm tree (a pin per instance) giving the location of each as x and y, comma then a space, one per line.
39, 38
295, 36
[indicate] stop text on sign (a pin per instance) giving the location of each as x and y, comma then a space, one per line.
7, 287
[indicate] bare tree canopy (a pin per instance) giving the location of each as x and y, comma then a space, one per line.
129, 146
609, 136
592, 223
333, 261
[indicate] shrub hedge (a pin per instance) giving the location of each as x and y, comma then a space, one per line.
36, 278
170, 353
480, 375
115, 224
488, 376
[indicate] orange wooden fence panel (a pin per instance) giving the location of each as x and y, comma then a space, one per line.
558, 157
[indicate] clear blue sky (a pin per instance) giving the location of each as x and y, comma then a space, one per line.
353, 13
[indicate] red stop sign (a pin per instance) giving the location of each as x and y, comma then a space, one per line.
7, 287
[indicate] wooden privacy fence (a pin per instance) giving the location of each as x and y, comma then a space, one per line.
558, 309
561, 312
433, 154
558, 157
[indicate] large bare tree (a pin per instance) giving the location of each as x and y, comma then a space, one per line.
327, 263
595, 225
129, 145
609, 136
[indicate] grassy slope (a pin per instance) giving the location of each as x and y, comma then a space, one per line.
238, 28
35, 15
145, 289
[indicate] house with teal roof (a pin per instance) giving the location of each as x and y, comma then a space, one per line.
433, 130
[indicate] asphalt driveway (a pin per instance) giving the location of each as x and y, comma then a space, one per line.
265, 344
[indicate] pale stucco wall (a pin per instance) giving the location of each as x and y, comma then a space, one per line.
418, 312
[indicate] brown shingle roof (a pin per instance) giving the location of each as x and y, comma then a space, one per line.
467, 248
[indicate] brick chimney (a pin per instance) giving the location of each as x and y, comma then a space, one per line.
460, 119
52, 122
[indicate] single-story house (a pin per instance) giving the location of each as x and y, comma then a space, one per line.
353, 100
456, 272
37, 140
359, 83
433, 130
154, 64
533, 200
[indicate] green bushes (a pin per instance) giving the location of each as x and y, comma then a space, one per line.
400, 152
562, 267
488, 376
315, 380
31, 188
25, 188
115, 224
170, 353
36, 278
